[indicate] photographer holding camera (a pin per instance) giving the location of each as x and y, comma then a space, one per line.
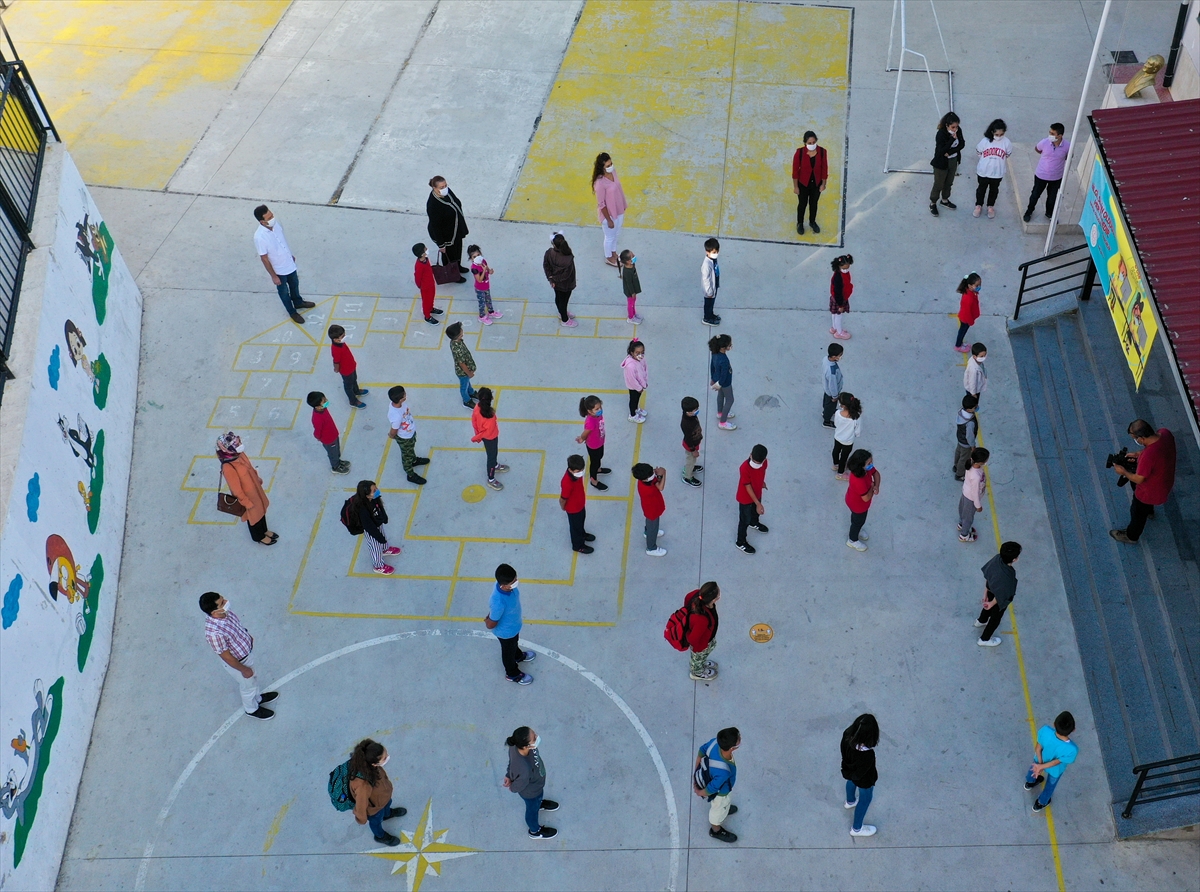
1151, 481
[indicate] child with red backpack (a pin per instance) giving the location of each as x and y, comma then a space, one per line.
694, 626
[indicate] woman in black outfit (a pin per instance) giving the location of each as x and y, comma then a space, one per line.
858, 768
447, 225
947, 153
559, 266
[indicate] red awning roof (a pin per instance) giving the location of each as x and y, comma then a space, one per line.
1153, 155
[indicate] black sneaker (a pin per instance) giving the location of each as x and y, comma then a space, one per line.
431, 320
549, 805
691, 481
420, 461
933, 208
544, 833
828, 424
946, 202
342, 468
733, 809
761, 527
1033, 786
812, 224
587, 549
416, 478
588, 537
604, 471
697, 468
1037, 806
267, 697
523, 678
401, 812
799, 229
745, 546
436, 311
722, 834
712, 321
262, 713
470, 404
597, 484
388, 840
1028, 216
527, 656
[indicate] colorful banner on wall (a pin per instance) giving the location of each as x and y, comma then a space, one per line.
1117, 268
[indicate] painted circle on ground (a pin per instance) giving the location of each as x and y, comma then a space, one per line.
761, 633
474, 493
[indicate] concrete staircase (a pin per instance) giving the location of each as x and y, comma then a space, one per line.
1136, 608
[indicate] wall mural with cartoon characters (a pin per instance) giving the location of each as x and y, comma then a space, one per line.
63, 530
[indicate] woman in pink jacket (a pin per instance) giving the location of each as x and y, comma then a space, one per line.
634, 366
610, 204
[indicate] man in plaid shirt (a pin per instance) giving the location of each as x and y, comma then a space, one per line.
235, 646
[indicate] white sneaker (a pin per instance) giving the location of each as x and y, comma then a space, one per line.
638, 419
642, 412
662, 533
979, 625
862, 537
866, 830
726, 426
991, 642
635, 320
857, 546
658, 552
850, 804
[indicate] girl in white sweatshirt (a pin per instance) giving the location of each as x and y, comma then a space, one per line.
847, 427
993, 151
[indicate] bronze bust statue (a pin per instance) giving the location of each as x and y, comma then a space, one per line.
1145, 77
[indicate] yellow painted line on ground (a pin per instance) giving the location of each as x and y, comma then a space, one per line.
312, 537
462, 546
1029, 714
276, 824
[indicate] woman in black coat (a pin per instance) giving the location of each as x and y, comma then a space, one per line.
558, 264
447, 225
947, 153
858, 768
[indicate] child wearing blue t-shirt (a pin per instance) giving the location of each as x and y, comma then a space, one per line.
1052, 753
504, 620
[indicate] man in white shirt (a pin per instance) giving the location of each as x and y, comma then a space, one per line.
280, 262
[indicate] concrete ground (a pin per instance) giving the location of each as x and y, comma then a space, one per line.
180, 791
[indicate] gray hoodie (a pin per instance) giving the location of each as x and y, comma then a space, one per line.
526, 774
833, 378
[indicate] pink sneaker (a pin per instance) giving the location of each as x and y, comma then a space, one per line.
963, 349
496, 314
833, 331
391, 549
842, 335
385, 570
486, 320
570, 323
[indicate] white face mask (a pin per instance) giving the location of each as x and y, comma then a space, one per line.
577, 473
271, 223
444, 192
225, 606
609, 169
536, 742
980, 358
812, 147
513, 585
478, 258
755, 464
386, 759
240, 447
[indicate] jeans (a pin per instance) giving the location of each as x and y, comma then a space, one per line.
810, 194
575, 523
991, 617
857, 521
841, 454
829, 405
289, 291
595, 461
943, 181
635, 397
350, 385
492, 449
1051, 782
724, 402
510, 655
561, 298
651, 534
962, 333
532, 820
864, 802
334, 451
465, 389
1139, 513
747, 517
1050, 187
375, 821
990, 185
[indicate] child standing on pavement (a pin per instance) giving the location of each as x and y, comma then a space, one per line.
858, 768
692, 435
464, 363
326, 432
840, 289
966, 430
573, 500
344, 365
720, 379
404, 432
833, 384
630, 285
847, 426
968, 307
636, 378
1052, 754
483, 284
701, 630
426, 284
752, 481
650, 483
971, 500
372, 517
864, 486
483, 420
975, 376
591, 410
710, 280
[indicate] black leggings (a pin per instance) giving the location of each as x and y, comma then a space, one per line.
990, 185
560, 301
962, 332
810, 193
595, 461
841, 452
635, 397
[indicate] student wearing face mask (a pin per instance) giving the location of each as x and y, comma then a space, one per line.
504, 619
610, 204
947, 155
810, 173
371, 790
993, 151
975, 375
526, 776
447, 225
1049, 174
752, 481
246, 486
864, 486
710, 280
573, 500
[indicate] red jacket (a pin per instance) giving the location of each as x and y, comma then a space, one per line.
343, 359
423, 276
323, 427
803, 166
574, 493
702, 626
968, 307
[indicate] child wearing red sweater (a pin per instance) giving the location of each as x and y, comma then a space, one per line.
344, 365
423, 276
968, 308
840, 289
326, 432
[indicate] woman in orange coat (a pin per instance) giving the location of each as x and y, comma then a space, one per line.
245, 484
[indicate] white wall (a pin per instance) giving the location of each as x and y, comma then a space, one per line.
1187, 67
64, 521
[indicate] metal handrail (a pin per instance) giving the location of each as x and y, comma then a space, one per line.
1031, 270
1143, 774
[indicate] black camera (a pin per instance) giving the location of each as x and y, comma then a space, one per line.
1125, 460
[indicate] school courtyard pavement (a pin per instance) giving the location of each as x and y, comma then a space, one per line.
336, 114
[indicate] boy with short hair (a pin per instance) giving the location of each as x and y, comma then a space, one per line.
426, 284
716, 784
966, 430
464, 363
999, 590
833, 384
573, 500
970, 502
752, 480
345, 365
326, 432
1052, 753
650, 483
504, 619
692, 435
404, 432
975, 377
710, 280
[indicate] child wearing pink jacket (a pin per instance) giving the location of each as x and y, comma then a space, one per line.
634, 366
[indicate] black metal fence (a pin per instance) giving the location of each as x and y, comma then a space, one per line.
25, 127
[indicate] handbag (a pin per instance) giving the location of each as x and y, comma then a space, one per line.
227, 503
444, 273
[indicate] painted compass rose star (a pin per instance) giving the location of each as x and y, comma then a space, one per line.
426, 848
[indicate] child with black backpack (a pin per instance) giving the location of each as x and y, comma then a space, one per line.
363, 514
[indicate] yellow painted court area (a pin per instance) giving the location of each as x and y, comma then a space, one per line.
702, 106
132, 86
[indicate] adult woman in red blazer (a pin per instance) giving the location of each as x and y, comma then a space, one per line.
810, 172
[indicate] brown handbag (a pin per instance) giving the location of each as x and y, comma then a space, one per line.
227, 503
